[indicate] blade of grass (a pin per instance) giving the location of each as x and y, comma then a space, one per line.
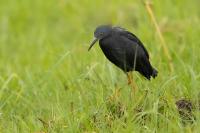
163, 43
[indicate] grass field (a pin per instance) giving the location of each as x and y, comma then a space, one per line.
49, 82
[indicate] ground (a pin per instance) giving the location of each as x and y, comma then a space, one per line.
49, 82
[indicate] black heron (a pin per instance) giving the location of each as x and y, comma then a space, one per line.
125, 50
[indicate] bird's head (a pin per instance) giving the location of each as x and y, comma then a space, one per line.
100, 33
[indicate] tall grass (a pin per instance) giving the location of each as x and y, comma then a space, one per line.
49, 82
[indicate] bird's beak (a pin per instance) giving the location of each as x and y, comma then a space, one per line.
93, 42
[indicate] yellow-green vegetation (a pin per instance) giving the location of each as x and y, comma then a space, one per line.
49, 82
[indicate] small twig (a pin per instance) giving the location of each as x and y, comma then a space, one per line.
72, 107
45, 124
163, 43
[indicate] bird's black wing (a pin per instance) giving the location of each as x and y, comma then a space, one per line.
132, 37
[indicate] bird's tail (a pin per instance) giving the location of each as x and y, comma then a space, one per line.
154, 72
147, 70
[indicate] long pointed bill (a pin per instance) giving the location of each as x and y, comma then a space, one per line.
93, 42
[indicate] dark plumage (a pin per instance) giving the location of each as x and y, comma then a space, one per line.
124, 49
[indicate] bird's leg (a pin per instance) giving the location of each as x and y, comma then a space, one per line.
131, 82
116, 93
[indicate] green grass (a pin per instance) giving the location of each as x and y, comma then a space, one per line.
49, 82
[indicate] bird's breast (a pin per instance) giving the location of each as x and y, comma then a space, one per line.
115, 51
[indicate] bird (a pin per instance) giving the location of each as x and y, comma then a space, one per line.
124, 49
